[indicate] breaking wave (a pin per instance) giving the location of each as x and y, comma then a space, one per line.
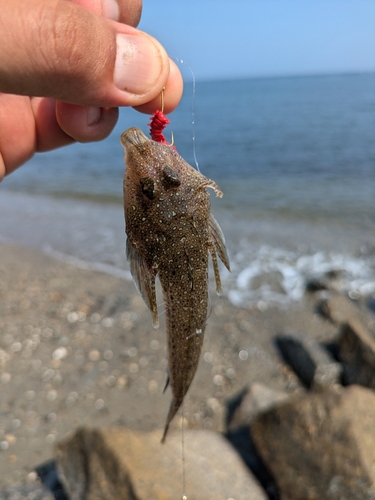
274, 276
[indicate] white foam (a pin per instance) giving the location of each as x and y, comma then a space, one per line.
270, 275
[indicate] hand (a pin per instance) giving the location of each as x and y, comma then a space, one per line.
78, 60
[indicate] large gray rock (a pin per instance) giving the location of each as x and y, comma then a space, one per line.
321, 446
340, 309
356, 349
311, 362
254, 400
120, 464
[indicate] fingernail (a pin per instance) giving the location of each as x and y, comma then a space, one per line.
111, 9
138, 63
93, 115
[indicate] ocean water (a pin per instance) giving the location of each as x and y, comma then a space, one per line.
295, 158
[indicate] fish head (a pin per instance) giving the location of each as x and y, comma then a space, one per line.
149, 165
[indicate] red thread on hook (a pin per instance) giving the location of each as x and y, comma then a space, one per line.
157, 124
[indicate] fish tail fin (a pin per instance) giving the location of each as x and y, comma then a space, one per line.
165, 433
175, 405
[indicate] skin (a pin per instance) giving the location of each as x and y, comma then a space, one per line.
67, 65
170, 234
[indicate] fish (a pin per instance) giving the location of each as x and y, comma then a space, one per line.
170, 232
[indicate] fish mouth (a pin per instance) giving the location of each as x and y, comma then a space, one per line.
133, 137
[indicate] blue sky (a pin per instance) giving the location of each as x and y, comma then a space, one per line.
247, 38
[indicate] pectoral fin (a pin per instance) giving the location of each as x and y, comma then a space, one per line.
166, 384
144, 280
218, 241
217, 246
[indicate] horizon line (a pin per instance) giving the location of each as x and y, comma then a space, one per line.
281, 75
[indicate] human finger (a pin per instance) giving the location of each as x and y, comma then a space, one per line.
17, 132
77, 56
86, 123
125, 11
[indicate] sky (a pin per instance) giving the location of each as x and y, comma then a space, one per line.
254, 38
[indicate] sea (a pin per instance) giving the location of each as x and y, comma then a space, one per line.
294, 156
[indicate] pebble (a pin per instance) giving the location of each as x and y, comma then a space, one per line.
11, 438
154, 345
72, 317
4, 355
129, 315
133, 368
243, 355
16, 423
81, 316
108, 322
51, 395
16, 347
111, 380
99, 404
94, 355
60, 353
32, 476
121, 382
71, 399
153, 386
4, 445
108, 354
95, 318
208, 357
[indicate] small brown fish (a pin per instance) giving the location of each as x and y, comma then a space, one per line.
170, 232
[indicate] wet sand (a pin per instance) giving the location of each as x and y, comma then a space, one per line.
78, 347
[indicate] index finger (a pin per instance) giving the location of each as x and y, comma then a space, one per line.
124, 11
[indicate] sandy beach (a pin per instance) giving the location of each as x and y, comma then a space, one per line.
78, 347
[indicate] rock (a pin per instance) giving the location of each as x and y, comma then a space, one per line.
119, 464
47, 473
356, 350
241, 441
321, 445
242, 410
311, 361
340, 309
252, 401
33, 491
316, 285
356, 341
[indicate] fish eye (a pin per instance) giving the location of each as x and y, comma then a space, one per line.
148, 187
170, 178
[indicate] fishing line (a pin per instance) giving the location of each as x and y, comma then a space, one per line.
181, 61
159, 120
157, 124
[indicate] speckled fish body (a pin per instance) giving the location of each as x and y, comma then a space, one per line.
170, 232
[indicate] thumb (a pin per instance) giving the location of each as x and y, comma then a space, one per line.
56, 48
